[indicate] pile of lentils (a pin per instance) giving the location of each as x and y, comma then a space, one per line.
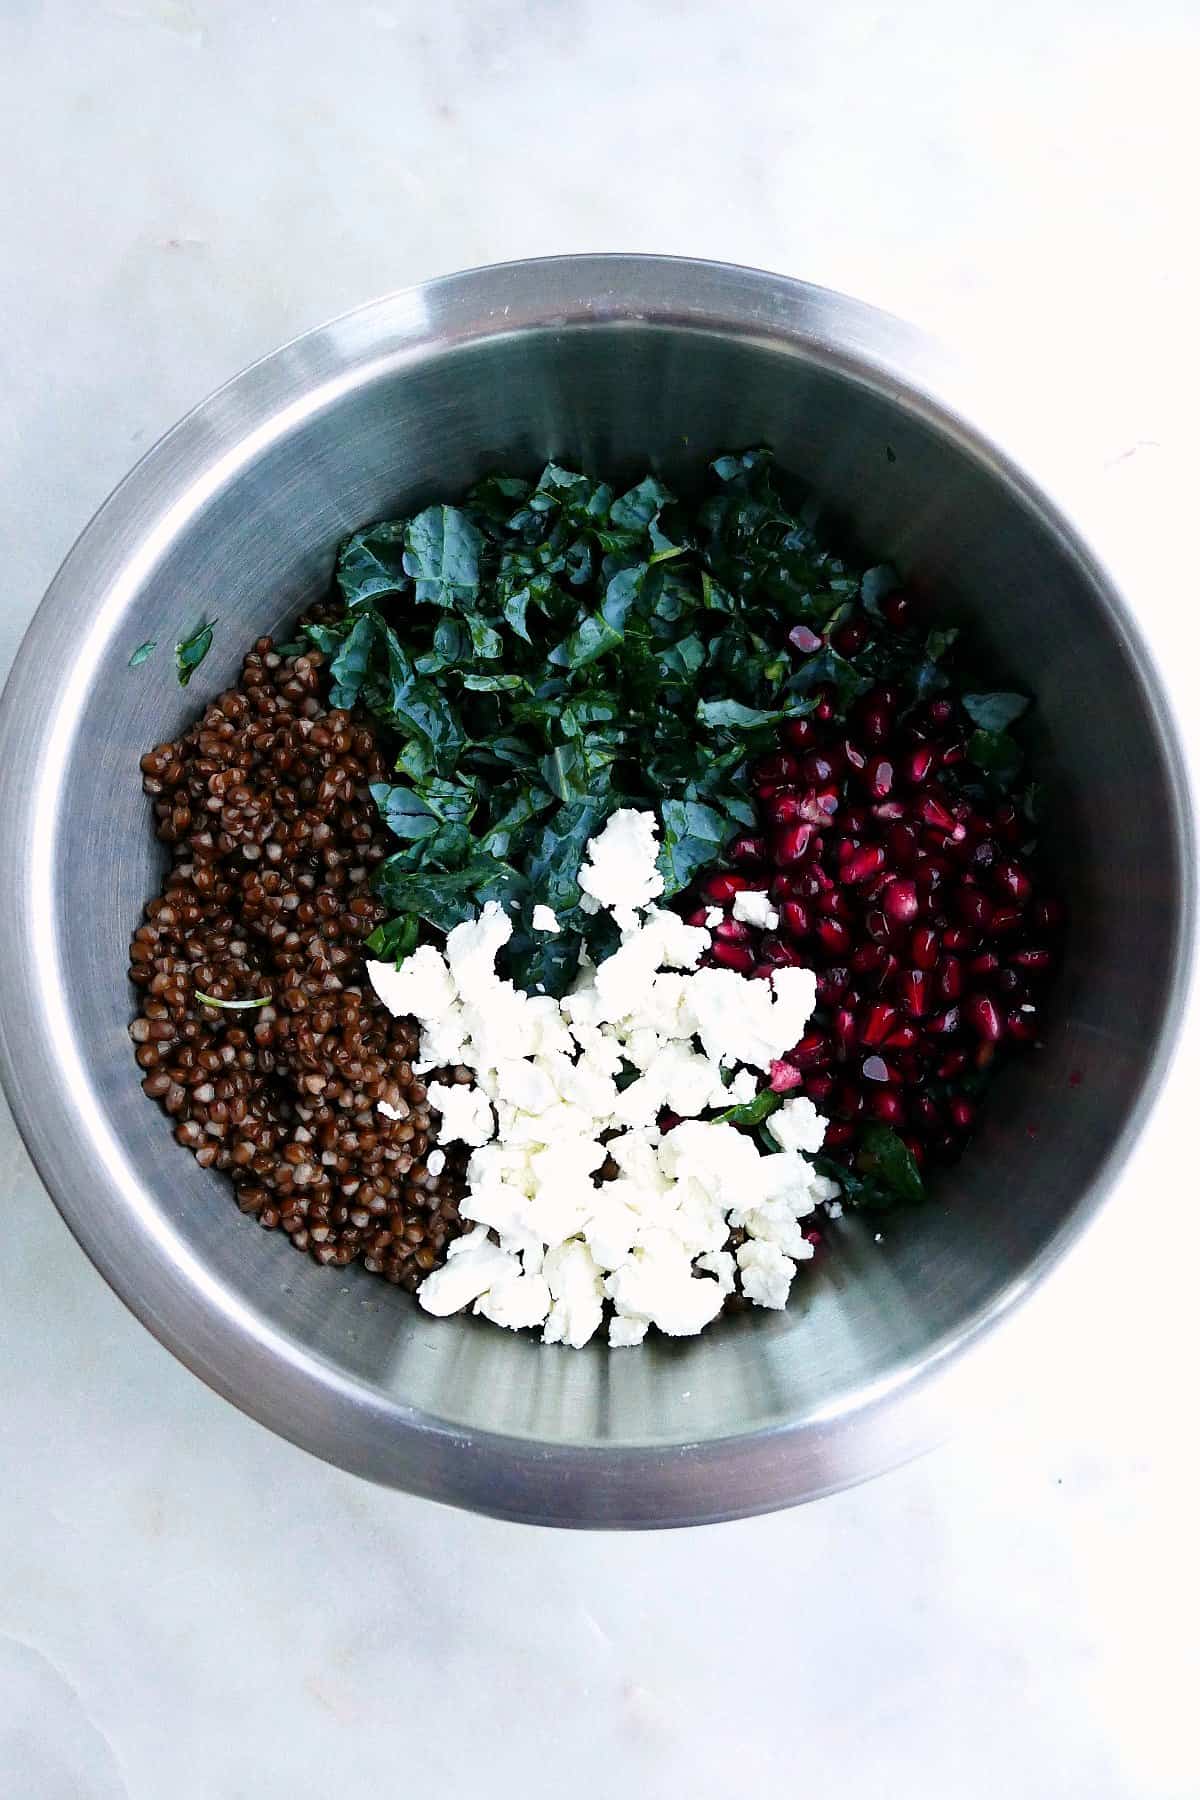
273, 836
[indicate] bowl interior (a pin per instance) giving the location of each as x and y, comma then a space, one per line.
249, 537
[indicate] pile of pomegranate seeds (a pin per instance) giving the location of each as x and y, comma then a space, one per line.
907, 886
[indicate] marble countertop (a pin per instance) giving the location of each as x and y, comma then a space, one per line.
189, 1607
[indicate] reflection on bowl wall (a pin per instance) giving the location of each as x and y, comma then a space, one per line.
614, 364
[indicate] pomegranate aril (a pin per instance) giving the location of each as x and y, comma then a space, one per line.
915, 1148
1033, 961
879, 776
786, 1078
900, 901
1022, 1024
848, 1102
939, 714
791, 843
785, 806
819, 1085
799, 733
733, 956
844, 1026
973, 908
888, 970
897, 609
867, 958
928, 1114
913, 991
983, 1017
985, 965
1004, 920
863, 863
950, 978
957, 938
724, 886
815, 806
1012, 882
874, 715
917, 764
952, 754
698, 917
805, 641
781, 954
837, 1135
795, 884
932, 871
1047, 915
733, 931
924, 947
878, 1022
931, 812
812, 1052
834, 936
831, 984
875, 1069
983, 855
794, 918
952, 1066
887, 1106
747, 849
902, 846
818, 767
835, 903
962, 1113
849, 638
855, 758
879, 926
944, 1024
779, 767
905, 1037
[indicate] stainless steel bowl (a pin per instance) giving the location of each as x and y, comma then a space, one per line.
611, 362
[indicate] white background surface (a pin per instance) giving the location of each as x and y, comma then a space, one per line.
189, 1608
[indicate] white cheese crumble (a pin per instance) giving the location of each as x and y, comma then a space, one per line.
620, 871
545, 918
465, 1113
753, 907
553, 1244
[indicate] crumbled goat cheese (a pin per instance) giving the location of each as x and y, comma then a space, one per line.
465, 1112
754, 1022
620, 871
766, 1272
714, 916
797, 1125
422, 986
546, 919
553, 1245
435, 1162
753, 907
